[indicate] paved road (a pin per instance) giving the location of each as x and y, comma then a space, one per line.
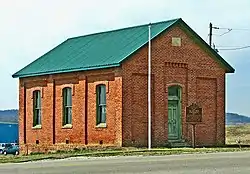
224, 163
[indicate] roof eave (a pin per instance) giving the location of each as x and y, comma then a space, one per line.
16, 75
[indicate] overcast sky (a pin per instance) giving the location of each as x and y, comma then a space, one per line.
30, 28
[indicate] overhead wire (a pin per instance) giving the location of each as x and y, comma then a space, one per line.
242, 29
207, 37
238, 48
229, 30
226, 32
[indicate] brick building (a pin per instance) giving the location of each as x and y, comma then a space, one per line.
92, 90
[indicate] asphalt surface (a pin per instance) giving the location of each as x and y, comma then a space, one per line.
224, 163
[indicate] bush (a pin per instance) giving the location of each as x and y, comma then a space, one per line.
36, 153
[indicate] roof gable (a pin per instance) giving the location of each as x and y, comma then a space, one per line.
100, 50
205, 46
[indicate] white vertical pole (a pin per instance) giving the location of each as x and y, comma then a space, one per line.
149, 87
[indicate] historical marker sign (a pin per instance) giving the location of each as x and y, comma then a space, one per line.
194, 113
194, 116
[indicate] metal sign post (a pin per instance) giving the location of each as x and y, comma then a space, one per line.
193, 117
193, 135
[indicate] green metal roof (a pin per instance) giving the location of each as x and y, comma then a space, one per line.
95, 51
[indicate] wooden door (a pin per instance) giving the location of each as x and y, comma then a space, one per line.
173, 120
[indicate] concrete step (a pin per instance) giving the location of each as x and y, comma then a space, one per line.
180, 143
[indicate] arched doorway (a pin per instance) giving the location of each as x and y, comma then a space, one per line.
174, 113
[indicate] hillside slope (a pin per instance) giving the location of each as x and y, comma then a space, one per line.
10, 116
233, 118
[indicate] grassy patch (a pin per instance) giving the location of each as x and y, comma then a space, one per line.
232, 134
235, 132
121, 152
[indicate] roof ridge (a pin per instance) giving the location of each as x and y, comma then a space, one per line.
129, 27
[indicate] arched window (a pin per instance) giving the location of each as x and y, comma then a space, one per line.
36, 108
101, 104
67, 106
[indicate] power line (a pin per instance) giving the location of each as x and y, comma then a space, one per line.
242, 29
211, 27
207, 37
222, 33
229, 29
224, 28
229, 46
216, 34
238, 48
226, 32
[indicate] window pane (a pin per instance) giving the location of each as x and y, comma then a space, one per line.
69, 97
35, 99
103, 114
173, 91
102, 94
38, 99
38, 115
64, 115
35, 118
98, 93
64, 96
99, 115
69, 115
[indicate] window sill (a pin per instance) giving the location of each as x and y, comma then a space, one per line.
67, 126
101, 125
37, 127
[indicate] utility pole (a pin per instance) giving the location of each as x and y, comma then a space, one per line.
210, 34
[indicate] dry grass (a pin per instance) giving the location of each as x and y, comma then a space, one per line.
235, 132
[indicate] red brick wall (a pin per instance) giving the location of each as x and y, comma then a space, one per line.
76, 134
112, 134
38, 134
206, 96
84, 130
202, 80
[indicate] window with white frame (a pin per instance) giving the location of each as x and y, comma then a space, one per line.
101, 104
37, 108
67, 106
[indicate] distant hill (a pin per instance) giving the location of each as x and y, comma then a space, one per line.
10, 116
233, 118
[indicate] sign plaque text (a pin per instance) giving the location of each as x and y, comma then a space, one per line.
194, 113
